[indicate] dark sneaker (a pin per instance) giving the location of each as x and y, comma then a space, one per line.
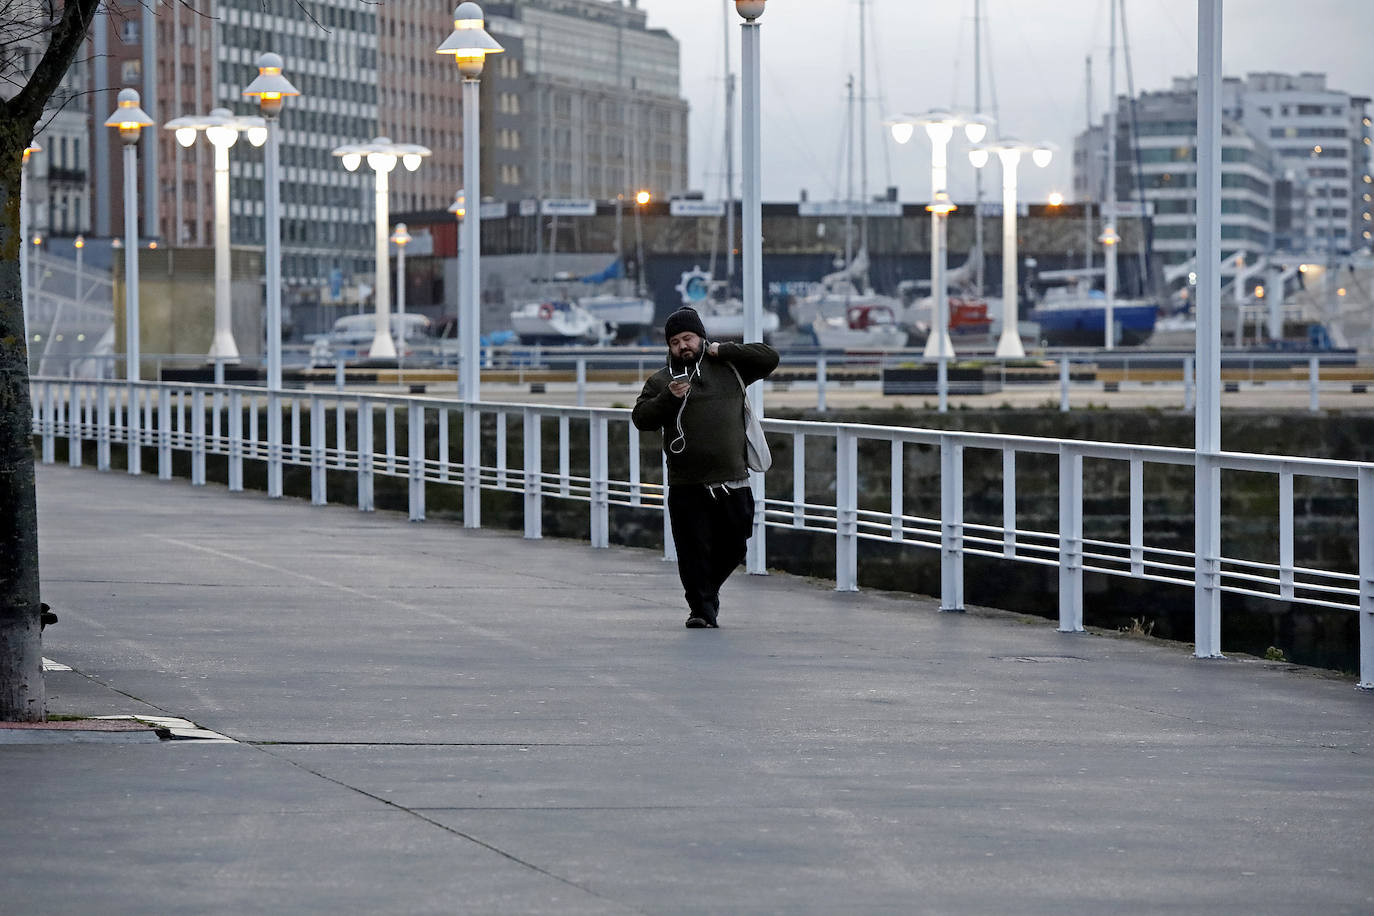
697, 623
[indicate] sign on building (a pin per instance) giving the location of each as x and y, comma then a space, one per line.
568, 207
696, 208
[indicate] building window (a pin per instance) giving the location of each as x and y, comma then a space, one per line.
128, 31
131, 71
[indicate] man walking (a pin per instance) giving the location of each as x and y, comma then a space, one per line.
698, 402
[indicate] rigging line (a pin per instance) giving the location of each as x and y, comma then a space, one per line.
992, 76
882, 108
1146, 237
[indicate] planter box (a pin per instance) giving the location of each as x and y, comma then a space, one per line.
923, 380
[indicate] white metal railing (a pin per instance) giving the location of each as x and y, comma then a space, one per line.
234, 422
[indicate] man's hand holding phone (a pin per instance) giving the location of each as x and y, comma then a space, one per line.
680, 384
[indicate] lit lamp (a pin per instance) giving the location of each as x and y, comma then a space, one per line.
129, 119
222, 128
381, 156
470, 44
401, 238
939, 125
270, 88
1010, 152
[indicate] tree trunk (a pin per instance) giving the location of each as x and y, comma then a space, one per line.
22, 696
21, 652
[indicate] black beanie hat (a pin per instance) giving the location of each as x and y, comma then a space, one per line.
684, 319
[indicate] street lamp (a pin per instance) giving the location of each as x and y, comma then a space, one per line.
129, 119
1109, 240
470, 44
1009, 152
641, 199
459, 209
751, 211
222, 128
24, 232
401, 238
270, 88
939, 125
381, 155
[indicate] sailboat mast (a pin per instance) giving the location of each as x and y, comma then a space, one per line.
849, 183
863, 133
1109, 199
978, 173
729, 155
1088, 191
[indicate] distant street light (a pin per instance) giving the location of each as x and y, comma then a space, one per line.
1010, 152
381, 155
270, 88
939, 125
401, 238
470, 44
222, 128
129, 119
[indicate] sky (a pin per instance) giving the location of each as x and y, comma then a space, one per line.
921, 56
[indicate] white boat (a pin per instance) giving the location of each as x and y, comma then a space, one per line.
352, 336
862, 327
722, 316
558, 322
629, 316
837, 294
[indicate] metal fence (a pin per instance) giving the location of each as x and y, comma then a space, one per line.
445, 445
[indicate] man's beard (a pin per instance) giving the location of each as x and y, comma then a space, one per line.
689, 356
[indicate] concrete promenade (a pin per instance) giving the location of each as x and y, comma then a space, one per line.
432, 720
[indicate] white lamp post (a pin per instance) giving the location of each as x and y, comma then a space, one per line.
751, 211
470, 44
270, 88
459, 209
222, 128
381, 155
1009, 152
129, 119
1109, 240
401, 238
24, 233
939, 125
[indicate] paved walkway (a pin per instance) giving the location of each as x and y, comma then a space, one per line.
433, 720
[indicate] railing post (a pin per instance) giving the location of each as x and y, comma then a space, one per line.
598, 471
1009, 503
846, 511
1314, 382
318, 476
364, 423
820, 384
951, 525
1070, 540
339, 374
415, 427
76, 426
582, 383
274, 445
1207, 558
534, 475
164, 434
1365, 536
669, 545
472, 466
198, 438
1189, 385
48, 423
102, 427
942, 381
1063, 384
235, 441
133, 444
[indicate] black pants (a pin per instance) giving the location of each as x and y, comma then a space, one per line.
711, 528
